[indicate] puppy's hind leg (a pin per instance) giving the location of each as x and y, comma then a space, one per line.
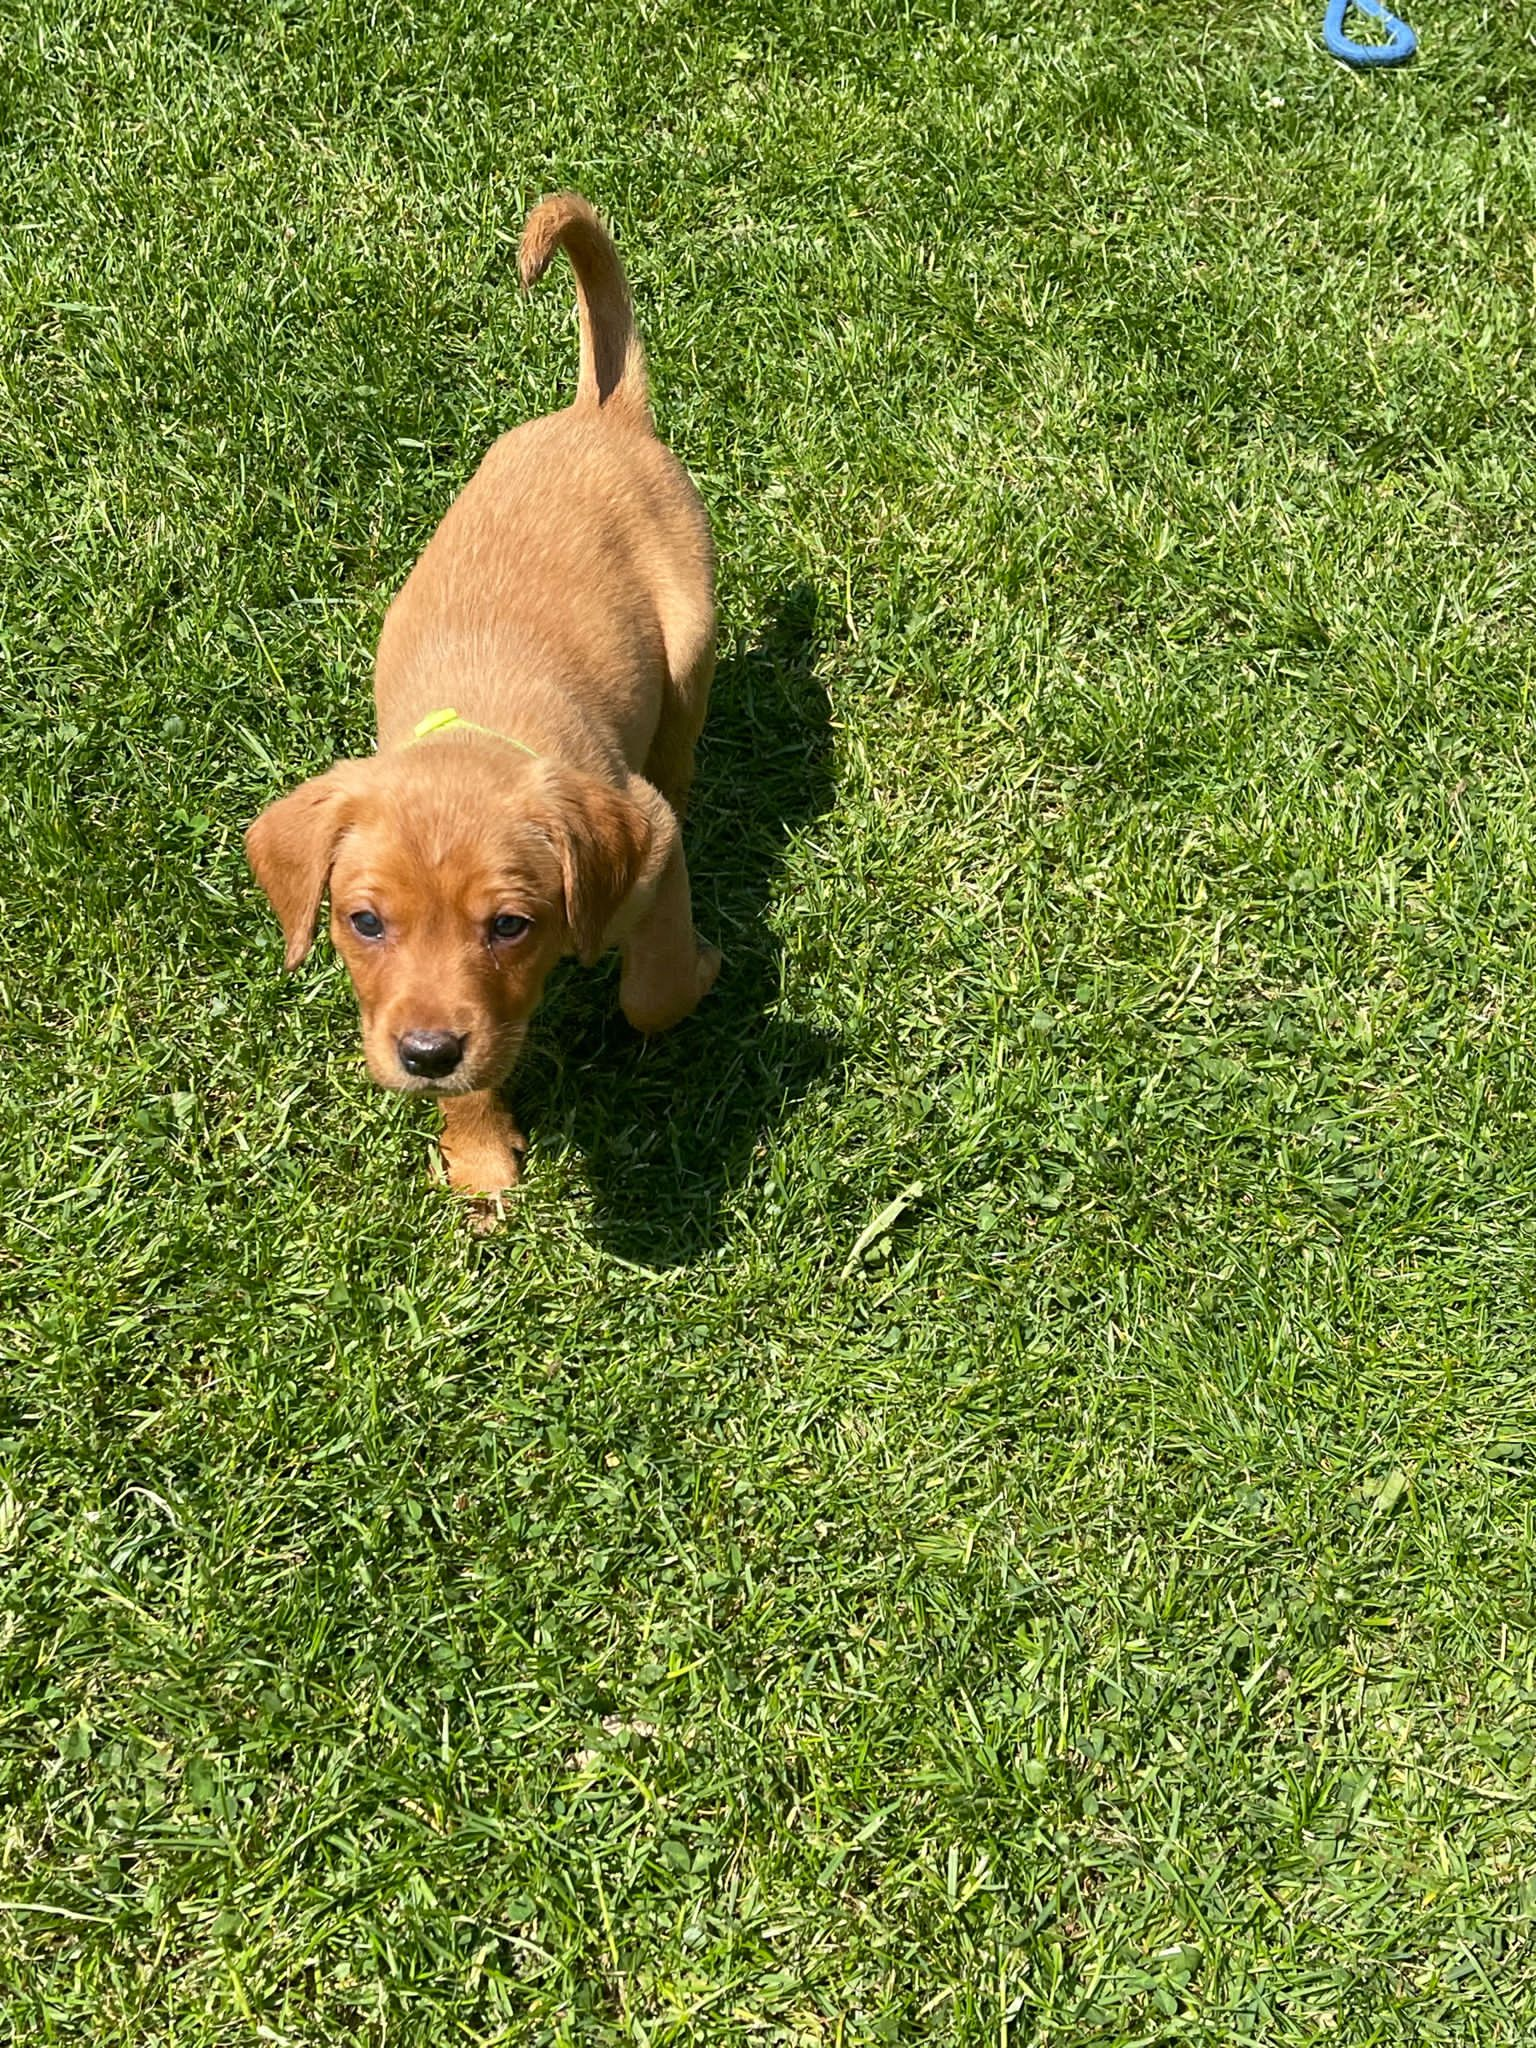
669, 765
666, 972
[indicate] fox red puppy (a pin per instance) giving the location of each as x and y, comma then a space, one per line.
541, 681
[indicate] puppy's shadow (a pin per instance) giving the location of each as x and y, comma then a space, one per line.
669, 1128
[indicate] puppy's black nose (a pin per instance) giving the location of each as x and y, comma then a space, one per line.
430, 1054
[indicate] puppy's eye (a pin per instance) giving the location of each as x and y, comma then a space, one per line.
510, 926
367, 924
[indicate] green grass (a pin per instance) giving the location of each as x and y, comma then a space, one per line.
1106, 1615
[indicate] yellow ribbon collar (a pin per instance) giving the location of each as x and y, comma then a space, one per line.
449, 720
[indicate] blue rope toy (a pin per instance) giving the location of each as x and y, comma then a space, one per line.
1398, 50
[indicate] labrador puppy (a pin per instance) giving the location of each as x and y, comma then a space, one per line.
540, 682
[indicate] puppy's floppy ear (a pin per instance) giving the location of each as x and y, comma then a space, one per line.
603, 839
291, 847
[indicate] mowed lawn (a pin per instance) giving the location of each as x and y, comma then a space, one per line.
1101, 1612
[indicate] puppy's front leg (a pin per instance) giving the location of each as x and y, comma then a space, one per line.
666, 972
481, 1144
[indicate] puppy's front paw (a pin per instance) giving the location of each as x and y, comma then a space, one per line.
483, 1149
657, 992
483, 1169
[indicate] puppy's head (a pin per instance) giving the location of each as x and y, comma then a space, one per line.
456, 881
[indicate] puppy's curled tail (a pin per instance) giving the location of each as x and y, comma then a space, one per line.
612, 379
